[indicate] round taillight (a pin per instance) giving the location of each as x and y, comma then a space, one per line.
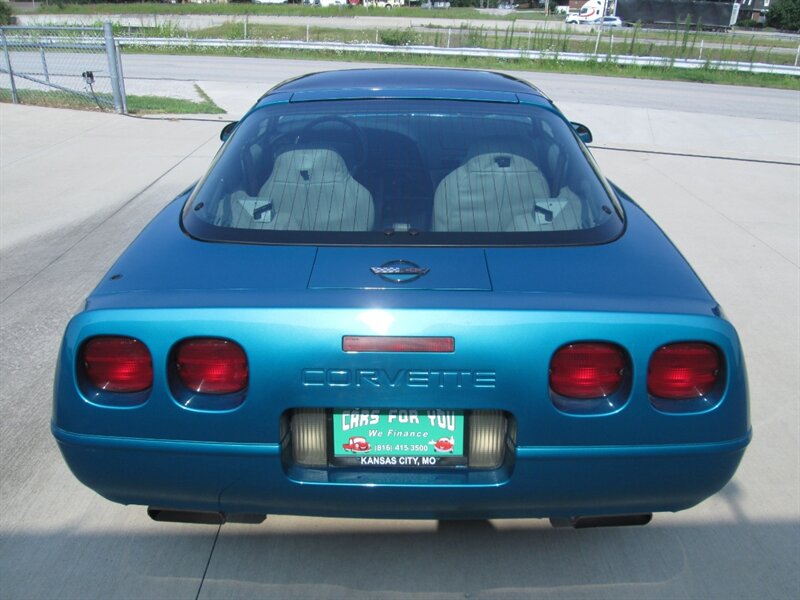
117, 364
211, 365
587, 370
683, 371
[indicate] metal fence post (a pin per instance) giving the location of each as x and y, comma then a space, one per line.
45, 72
124, 93
111, 54
14, 96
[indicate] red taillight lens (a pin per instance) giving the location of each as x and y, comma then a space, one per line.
587, 370
117, 364
211, 365
683, 371
352, 343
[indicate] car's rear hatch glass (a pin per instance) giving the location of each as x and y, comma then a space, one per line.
404, 172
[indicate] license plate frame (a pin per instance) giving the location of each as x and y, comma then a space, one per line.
439, 438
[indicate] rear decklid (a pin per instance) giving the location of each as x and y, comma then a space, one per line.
641, 271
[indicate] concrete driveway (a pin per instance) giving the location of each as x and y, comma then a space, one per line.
76, 187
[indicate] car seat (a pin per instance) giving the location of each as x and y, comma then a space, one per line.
490, 191
309, 189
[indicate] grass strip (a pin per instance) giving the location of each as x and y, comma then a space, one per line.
137, 105
140, 105
625, 41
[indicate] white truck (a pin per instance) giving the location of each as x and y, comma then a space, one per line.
384, 3
590, 11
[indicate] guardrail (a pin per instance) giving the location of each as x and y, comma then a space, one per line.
654, 61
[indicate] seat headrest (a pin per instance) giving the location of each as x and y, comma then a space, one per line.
502, 144
499, 162
312, 165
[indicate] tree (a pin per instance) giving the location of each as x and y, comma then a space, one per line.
784, 14
5, 13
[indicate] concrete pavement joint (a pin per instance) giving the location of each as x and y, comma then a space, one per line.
101, 223
724, 216
208, 562
708, 156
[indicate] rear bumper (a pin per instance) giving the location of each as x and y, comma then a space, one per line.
534, 482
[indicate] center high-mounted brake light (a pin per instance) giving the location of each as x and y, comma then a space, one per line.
352, 343
211, 365
587, 370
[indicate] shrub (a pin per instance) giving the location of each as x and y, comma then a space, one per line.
748, 23
398, 37
5, 13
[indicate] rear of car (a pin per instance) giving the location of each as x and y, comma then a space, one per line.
403, 298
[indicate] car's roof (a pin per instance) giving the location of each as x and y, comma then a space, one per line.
379, 81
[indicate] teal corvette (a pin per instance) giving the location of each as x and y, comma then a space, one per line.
403, 293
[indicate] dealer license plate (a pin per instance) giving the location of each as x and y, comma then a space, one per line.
398, 437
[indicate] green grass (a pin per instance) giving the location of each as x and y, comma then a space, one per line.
707, 75
173, 106
279, 10
138, 105
744, 38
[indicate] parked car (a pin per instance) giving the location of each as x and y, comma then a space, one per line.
607, 21
402, 256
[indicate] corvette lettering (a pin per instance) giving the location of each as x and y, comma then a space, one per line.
378, 378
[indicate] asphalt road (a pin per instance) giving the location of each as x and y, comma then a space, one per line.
716, 100
75, 188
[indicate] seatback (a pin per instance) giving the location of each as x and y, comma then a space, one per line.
493, 191
309, 189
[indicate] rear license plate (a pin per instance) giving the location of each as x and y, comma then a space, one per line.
398, 437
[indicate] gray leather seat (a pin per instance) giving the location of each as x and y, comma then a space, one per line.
308, 190
493, 191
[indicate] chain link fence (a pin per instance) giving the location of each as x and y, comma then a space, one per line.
64, 66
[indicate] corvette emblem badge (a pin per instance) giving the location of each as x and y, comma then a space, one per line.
399, 271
